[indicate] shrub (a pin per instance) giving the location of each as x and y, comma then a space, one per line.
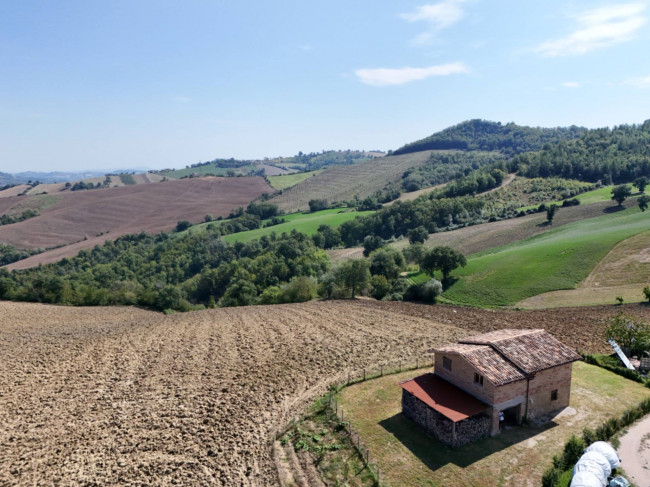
379, 287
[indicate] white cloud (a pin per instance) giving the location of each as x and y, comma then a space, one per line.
571, 84
641, 83
389, 77
439, 16
598, 28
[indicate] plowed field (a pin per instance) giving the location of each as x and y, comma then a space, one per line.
121, 396
83, 219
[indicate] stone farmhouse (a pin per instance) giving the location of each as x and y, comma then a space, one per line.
485, 381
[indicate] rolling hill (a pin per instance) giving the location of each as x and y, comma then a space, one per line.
83, 219
342, 183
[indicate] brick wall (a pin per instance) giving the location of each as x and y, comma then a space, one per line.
540, 402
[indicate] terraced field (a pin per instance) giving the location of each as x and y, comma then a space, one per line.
122, 396
342, 183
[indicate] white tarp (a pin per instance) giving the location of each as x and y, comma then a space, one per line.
585, 479
600, 459
592, 467
606, 450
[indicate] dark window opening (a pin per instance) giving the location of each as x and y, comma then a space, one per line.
554, 395
478, 379
446, 363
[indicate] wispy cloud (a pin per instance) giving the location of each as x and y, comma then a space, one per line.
389, 77
597, 29
439, 16
641, 83
571, 84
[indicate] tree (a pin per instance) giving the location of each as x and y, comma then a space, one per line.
621, 192
641, 182
379, 287
372, 243
550, 212
317, 205
643, 202
444, 259
353, 275
633, 336
418, 235
386, 262
413, 253
183, 225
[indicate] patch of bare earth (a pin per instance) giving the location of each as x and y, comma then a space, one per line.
116, 396
83, 219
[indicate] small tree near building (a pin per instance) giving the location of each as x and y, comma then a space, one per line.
621, 193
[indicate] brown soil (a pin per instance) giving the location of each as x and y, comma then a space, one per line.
121, 396
88, 218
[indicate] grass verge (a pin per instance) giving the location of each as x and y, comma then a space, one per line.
285, 181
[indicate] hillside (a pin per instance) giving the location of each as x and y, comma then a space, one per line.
492, 136
126, 395
88, 218
104, 181
342, 183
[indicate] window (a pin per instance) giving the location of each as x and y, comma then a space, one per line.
446, 363
478, 379
554, 395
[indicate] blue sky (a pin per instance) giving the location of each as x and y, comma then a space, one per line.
116, 84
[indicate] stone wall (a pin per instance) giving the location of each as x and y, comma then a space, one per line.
440, 427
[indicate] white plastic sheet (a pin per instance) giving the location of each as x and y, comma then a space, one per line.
585, 479
606, 450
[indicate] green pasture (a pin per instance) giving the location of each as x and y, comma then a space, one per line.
207, 169
285, 181
306, 223
555, 260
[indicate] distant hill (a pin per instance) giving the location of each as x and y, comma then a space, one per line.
343, 183
56, 176
271, 166
82, 219
484, 135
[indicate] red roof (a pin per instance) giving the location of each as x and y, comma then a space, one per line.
444, 397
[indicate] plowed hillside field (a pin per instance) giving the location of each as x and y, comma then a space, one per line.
342, 183
83, 219
121, 396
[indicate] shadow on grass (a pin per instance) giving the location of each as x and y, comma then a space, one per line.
545, 224
435, 455
614, 209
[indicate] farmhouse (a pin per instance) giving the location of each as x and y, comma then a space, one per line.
487, 380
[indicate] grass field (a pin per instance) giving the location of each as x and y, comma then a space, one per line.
210, 169
285, 181
558, 259
624, 272
302, 222
406, 456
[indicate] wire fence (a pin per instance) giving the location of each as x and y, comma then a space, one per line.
361, 376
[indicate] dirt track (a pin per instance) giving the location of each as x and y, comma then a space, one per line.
120, 396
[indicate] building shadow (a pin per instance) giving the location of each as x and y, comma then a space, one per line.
436, 455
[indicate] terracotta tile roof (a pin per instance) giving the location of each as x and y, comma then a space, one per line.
505, 356
444, 397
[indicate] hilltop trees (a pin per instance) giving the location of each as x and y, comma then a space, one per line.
621, 193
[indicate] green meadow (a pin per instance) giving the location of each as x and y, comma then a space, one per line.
559, 259
302, 222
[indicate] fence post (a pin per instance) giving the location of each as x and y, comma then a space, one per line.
367, 456
382, 370
417, 363
348, 378
364, 374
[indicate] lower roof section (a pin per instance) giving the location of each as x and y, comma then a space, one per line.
444, 397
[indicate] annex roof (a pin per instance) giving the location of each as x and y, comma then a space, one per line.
505, 356
444, 397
